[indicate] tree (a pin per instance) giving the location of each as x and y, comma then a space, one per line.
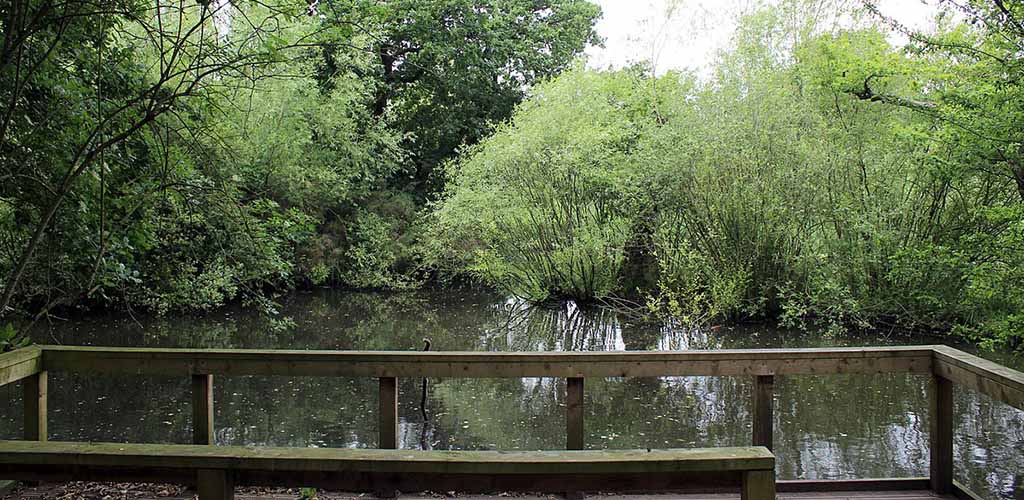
967, 77
82, 78
448, 69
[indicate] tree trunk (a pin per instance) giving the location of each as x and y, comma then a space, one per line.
1018, 176
387, 62
26, 254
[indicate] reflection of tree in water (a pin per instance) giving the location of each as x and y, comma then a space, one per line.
990, 437
849, 426
567, 326
826, 427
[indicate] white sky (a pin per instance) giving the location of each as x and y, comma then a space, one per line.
637, 30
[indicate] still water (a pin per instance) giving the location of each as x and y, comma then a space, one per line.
827, 427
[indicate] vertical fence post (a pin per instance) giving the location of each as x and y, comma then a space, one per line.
574, 423
387, 428
574, 413
215, 484
941, 402
764, 392
758, 485
35, 407
202, 409
388, 414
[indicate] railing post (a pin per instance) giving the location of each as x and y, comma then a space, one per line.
215, 484
574, 413
758, 485
764, 392
387, 427
941, 402
202, 409
35, 407
388, 414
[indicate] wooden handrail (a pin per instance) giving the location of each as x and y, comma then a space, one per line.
994, 380
19, 364
442, 364
26, 365
945, 365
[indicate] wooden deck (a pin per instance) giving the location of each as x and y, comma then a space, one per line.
112, 491
943, 367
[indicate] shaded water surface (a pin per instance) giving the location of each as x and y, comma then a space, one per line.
827, 427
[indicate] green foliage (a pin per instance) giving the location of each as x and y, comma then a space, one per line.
447, 69
180, 157
818, 177
535, 209
10, 340
168, 159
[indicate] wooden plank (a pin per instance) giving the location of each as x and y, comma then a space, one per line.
35, 389
758, 485
19, 364
114, 455
215, 484
941, 435
962, 492
387, 415
574, 436
442, 364
887, 484
20, 355
202, 409
764, 417
350, 481
994, 380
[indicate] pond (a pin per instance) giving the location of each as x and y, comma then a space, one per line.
827, 427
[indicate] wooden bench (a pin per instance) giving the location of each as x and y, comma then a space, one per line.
217, 469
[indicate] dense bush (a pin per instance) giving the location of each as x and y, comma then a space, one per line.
771, 191
537, 208
180, 155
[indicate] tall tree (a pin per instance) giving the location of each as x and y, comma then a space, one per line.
449, 68
968, 77
80, 78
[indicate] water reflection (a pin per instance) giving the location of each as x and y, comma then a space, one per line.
826, 427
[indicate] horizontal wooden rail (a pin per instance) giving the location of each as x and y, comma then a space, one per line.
996, 381
20, 364
488, 364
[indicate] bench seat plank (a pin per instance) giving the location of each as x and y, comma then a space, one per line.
390, 461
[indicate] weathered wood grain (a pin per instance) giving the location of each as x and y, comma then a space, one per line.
217, 469
442, 364
941, 435
994, 380
216, 484
20, 364
35, 392
758, 485
763, 406
63, 454
387, 413
574, 430
202, 409
848, 485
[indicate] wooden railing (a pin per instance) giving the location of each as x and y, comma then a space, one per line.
944, 366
